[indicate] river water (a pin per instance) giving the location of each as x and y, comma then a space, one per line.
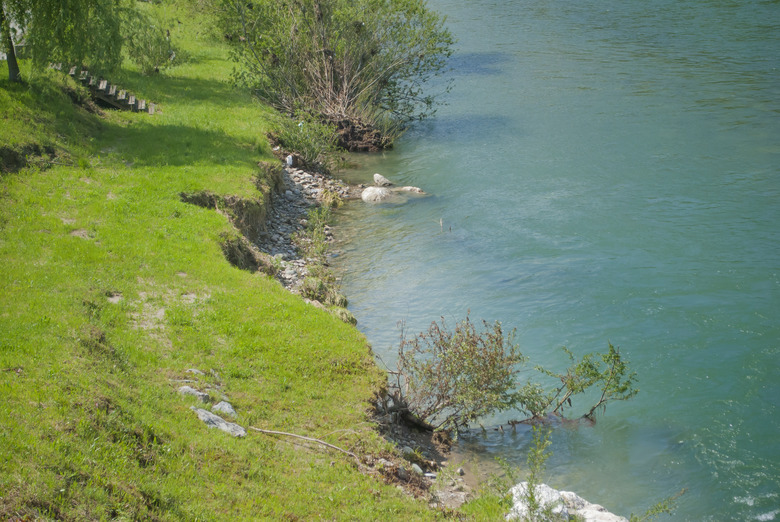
603, 170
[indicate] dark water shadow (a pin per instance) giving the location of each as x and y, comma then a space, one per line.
481, 64
462, 128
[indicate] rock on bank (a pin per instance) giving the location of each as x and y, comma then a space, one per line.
563, 505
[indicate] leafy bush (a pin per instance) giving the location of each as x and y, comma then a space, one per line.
147, 41
448, 379
608, 372
313, 141
353, 60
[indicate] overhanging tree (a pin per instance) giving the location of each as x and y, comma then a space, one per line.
69, 31
446, 379
350, 62
7, 10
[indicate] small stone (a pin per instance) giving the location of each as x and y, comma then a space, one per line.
224, 407
215, 421
188, 390
417, 469
195, 371
461, 471
384, 463
381, 181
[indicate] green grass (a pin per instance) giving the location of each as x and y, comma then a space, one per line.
111, 288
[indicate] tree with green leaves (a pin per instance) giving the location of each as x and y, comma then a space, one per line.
9, 10
446, 379
85, 32
352, 63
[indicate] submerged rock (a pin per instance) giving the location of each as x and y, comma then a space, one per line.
385, 191
375, 194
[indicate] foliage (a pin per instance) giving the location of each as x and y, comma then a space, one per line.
536, 459
83, 32
92, 33
312, 241
609, 373
664, 507
451, 378
147, 41
495, 497
312, 140
320, 284
7, 37
353, 60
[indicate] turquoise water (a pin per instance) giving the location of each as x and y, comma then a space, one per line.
604, 171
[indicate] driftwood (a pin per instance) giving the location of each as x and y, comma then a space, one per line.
310, 439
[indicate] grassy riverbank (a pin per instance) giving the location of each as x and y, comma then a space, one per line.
113, 287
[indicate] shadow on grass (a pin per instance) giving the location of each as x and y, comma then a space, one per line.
144, 144
164, 89
45, 103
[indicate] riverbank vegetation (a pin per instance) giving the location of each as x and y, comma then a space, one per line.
117, 290
113, 288
362, 66
448, 379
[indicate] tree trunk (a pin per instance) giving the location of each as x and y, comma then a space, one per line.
5, 31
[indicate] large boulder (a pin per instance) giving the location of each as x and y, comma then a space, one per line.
547, 498
564, 505
215, 421
375, 194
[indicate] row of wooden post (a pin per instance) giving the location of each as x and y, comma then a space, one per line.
110, 94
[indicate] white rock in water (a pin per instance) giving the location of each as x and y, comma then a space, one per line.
416, 190
381, 181
566, 505
375, 194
